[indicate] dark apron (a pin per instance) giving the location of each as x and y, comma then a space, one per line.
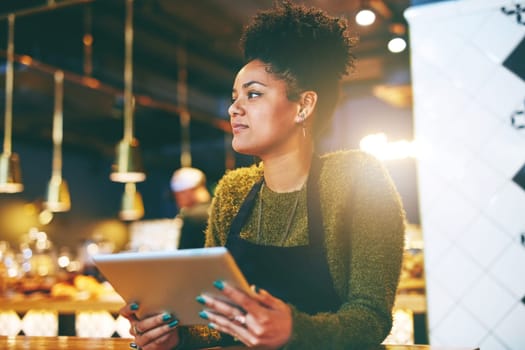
297, 275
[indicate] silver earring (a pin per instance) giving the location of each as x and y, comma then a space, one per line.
303, 124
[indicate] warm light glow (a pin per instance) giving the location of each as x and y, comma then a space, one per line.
26, 60
63, 261
378, 145
128, 177
30, 209
397, 45
94, 324
365, 17
112, 231
402, 331
87, 39
144, 100
11, 188
45, 217
42, 323
91, 82
92, 249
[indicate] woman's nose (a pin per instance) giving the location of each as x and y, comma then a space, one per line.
235, 109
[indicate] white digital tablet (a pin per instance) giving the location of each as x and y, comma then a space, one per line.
169, 281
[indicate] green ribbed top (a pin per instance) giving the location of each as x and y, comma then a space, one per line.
277, 211
364, 235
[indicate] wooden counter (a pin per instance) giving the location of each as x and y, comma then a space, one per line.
414, 302
59, 305
75, 343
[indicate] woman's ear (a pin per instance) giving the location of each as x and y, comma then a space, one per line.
308, 103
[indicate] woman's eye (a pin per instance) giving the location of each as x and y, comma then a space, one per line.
253, 94
233, 100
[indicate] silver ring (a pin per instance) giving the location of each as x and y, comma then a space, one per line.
240, 319
136, 331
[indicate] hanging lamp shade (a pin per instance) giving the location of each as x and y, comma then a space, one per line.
132, 206
128, 163
10, 173
58, 199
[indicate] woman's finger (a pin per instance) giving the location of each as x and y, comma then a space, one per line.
129, 311
167, 339
265, 298
154, 329
219, 306
237, 327
237, 297
154, 322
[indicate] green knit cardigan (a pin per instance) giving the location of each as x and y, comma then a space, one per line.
364, 236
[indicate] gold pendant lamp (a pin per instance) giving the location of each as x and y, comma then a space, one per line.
128, 163
58, 199
132, 207
10, 173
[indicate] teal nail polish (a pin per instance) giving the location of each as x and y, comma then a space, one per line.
211, 325
202, 314
200, 300
173, 323
166, 317
219, 284
134, 306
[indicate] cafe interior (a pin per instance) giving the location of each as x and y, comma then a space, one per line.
105, 99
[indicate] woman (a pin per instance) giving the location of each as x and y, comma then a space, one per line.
321, 238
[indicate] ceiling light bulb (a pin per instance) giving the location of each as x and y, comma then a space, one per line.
365, 17
397, 45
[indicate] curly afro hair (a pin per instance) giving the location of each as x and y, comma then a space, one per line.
306, 47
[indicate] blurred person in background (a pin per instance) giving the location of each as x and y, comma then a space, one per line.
192, 197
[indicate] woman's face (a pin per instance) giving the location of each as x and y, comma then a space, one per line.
263, 120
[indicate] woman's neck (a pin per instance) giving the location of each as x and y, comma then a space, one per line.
287, 172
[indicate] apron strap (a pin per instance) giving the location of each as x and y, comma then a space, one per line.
244, 210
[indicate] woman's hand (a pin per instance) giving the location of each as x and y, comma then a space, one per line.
261, 321
157, 332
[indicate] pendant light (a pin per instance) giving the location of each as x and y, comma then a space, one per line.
397, 42
10, 173
128, 163
58, 199
182, 99
365, 16
132, 207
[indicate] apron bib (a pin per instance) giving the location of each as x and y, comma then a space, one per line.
298, 275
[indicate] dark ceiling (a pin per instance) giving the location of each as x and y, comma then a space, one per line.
206, 32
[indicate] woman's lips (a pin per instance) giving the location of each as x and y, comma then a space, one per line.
236, 128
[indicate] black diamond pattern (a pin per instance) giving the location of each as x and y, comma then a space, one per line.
515, 62
519, 178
